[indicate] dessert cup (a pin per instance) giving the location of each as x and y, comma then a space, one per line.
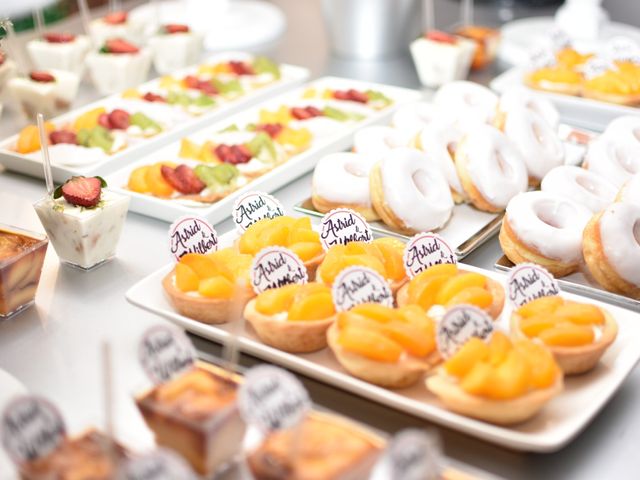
50, 97
439, 61
115, 72
68, 55
174, 51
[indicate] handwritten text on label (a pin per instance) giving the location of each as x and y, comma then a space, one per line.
254, 206
275, 267
341, 226
165, 352
425, 250
356, 285
458, 325
527, 282
192, 235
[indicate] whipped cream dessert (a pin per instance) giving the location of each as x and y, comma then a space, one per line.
118, 65
175, 47
61, 51
116, 25
49, 92
442, 58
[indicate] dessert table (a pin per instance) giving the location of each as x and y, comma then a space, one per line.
54, 348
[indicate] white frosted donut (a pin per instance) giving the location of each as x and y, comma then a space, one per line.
625, 128
580, 185
613, 159
538, 143
438, 141
343, 178
630, 191
521, 97
549, 223
377, 140
414, 117
469, 102
620, 237
493, 164
414, 190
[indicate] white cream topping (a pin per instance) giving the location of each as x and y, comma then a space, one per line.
412, 118
620, 235
521, 97
376, 141
549, 223
438, 140
468, 101
630, 191
580, 185
625, 129
614, 159
113, 73
67, 56
343, 178
71, 155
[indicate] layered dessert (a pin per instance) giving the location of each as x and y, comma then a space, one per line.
21, 257
175, 46
62, 51
116, 25
118, 65
196, 415
83, 221
486, 40
441, 57
49, 92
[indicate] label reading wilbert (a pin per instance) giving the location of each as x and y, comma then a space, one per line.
460, 324
355, 285
527, 282
271, 398
412, 455
341, 226
31, 428
275, 267
254, 206
425, 250
161, 464
164, 352
192, 235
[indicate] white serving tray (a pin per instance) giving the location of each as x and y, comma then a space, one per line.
290, 77
554, 427
578, 111
340, 139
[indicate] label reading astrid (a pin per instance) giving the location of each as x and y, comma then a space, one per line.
527, 282
271, 398
192, 235
31, 428
412, 455
165, 352
356, 285
460, 324
161, 464
425, 250
275, 267
341, 226
254, 206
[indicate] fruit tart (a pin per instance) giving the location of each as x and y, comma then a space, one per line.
384, 346
255, 71
293, 318
503, 381
210, 288
577, 334
196, 415
326, 447
447, 285
617, 84
384, 255
371, 98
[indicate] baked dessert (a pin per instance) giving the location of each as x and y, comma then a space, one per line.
546, 229
503, 381
409, 192
388, 347
470, 103
630, 191
196, 415
612, 84
211, 288
555, 77
376, 141
487, 41
327, 447
440, 57
577, 334
611, 248
59, 50
118, 65
447, 285
521, 97
49, 92
581, 186
175, 46
414, 117
613, 158
293, 318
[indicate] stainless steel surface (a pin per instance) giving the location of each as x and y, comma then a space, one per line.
54, 348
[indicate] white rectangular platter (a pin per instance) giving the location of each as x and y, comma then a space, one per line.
334, 140
555, 426
32, 164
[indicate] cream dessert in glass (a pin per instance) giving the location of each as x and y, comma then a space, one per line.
118, 65
116, 25
175, 46
61, 51
83, 221
49, 92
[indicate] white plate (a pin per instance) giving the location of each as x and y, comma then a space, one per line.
290, 76
578, 111
332, 141
555, 426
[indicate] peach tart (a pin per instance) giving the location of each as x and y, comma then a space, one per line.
384, 346
293, 318
577, 334
557, 78
503, 381
447, 285
208, 287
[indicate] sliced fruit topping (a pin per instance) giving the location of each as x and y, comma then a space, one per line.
370, 344
440, 36
217, 177
541, 306
352, 95
205, 86
265, 65
145, 123
153, 97
96, 137
119, 46
183, 179
118, 119
186, 278
115, 18
305, 113
58, 37
81, 191
240, 68
229, 88
271, 129
176, 28
63, 136
3, 58
29, 138
233, 154
41, 77
88, 119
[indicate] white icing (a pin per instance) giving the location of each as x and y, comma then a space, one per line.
66, 154
620, 235
415, 189
412, 118
549, 223
580, 185
374, 142
436, 140
101, 31
113, 73
343, 178
494, 165
624, 129
469, 102
175, 51
539, 145
615, 160
521, 97
630, 191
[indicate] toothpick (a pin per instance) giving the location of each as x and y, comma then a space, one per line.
15, 48
38, 20
467, 12
114, 6
429, 15
85, 15
156, 11
230, 354
44, 148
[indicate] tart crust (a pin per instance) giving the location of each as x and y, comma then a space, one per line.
324, 206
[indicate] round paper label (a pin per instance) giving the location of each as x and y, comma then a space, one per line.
623, 49
254, 206
31, 428
412, 455
597, 66
275, 267
272, 399
425, 250
541, 57
162, 464
560, 40
527, 282
458, 325
341, 226
164, 352
355, 285
192, 235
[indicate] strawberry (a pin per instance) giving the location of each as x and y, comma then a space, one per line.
300, 113
351, 95
63, 136
442, 37
233, 154
240, 68
119, 46
81, 191
119, 119
103, 120
42, 77
58, 37
271, 129
191, 81
313, 111
153, 97
183, 179
207, 87
176, 28
115, 18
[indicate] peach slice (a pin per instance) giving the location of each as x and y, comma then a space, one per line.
477, 379
580, 314
158, 186
414, 340
542, 365
350, 319
297, 235
306, 250
374, 311
477, 296
534, 325
471, 353
276, 300
499, 348
186, 278
204, 266
458, 284
425, 292
392, 257
567, 335
314, 307
511, 378
448, 269
541, 306
138, 180
415, 315
369, 344
216, 287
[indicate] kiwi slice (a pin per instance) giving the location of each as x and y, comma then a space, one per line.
217, 176
265, 65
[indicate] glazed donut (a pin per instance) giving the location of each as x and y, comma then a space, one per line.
580, 185
611, 247
377, 140
613, 159
625, 129
546, 229
409, 192
342, 180
490, 168
412, 118
630, 191
469, 102
538, 143
521, 97
438, 141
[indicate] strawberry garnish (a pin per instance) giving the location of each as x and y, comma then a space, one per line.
183, 179
240, 68
352, 95
271, 129
63, 136
81, 191
176, 28
57, 37
153, 97
233, 154
116, 120
119, 46
205, 86
304, 113
115, 18
42, 77
442, 37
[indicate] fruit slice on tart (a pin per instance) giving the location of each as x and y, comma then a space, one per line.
371, 98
